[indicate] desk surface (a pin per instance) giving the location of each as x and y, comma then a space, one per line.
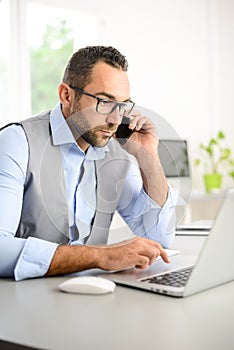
35, 313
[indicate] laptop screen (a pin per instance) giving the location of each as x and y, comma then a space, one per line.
173, 155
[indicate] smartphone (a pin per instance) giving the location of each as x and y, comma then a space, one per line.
123, 132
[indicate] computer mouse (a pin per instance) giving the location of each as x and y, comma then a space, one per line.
87, 285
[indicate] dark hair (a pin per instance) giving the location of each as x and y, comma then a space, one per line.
79, 68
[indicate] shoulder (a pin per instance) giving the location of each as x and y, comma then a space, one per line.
15, 134
37, 128
14, 151
39, 118
12, 135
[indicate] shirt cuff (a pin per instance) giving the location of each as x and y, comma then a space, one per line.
159, 223
35, 258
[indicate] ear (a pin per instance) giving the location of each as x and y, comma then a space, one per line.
65, 94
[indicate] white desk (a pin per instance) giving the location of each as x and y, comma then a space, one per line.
36, 314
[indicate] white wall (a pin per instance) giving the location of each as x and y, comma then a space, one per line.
225, 66
181, 55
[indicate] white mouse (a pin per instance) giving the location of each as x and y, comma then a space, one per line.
87, 285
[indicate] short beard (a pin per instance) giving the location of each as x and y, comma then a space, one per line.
91, 138
80, 128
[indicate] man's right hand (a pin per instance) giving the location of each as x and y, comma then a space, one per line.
136, 252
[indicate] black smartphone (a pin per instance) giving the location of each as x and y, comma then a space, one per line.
123, 132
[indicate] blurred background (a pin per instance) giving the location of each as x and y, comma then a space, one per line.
180, 53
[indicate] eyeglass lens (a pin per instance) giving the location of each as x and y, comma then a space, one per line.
106, 107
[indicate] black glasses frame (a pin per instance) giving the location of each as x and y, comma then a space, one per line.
99, 99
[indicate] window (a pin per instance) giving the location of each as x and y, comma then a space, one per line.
38, 41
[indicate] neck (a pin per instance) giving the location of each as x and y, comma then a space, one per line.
82, 143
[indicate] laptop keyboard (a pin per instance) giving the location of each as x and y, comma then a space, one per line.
173, 278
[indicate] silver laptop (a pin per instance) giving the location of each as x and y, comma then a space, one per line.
187, 275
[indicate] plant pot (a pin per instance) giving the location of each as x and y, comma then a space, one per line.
213, 182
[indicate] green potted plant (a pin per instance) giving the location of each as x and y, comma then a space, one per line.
231, 173
216, 159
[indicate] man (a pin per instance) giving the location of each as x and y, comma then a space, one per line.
63, 174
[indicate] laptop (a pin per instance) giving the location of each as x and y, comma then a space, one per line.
187, 275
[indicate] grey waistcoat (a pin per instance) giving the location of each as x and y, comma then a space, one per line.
45, 210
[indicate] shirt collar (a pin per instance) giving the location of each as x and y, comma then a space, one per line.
61, 134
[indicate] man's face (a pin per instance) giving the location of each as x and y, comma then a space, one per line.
92, 127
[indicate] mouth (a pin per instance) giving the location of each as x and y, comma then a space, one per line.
107, 133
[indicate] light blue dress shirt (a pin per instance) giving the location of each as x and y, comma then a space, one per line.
27, 258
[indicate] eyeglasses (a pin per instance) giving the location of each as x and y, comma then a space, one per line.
106, 106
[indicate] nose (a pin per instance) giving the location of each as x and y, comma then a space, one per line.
114, 117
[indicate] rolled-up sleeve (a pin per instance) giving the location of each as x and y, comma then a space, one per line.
143, 215
35, 258
159, 223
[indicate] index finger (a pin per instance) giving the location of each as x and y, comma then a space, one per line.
164, 256
163, 253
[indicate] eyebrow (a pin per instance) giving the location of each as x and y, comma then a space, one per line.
103, 93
